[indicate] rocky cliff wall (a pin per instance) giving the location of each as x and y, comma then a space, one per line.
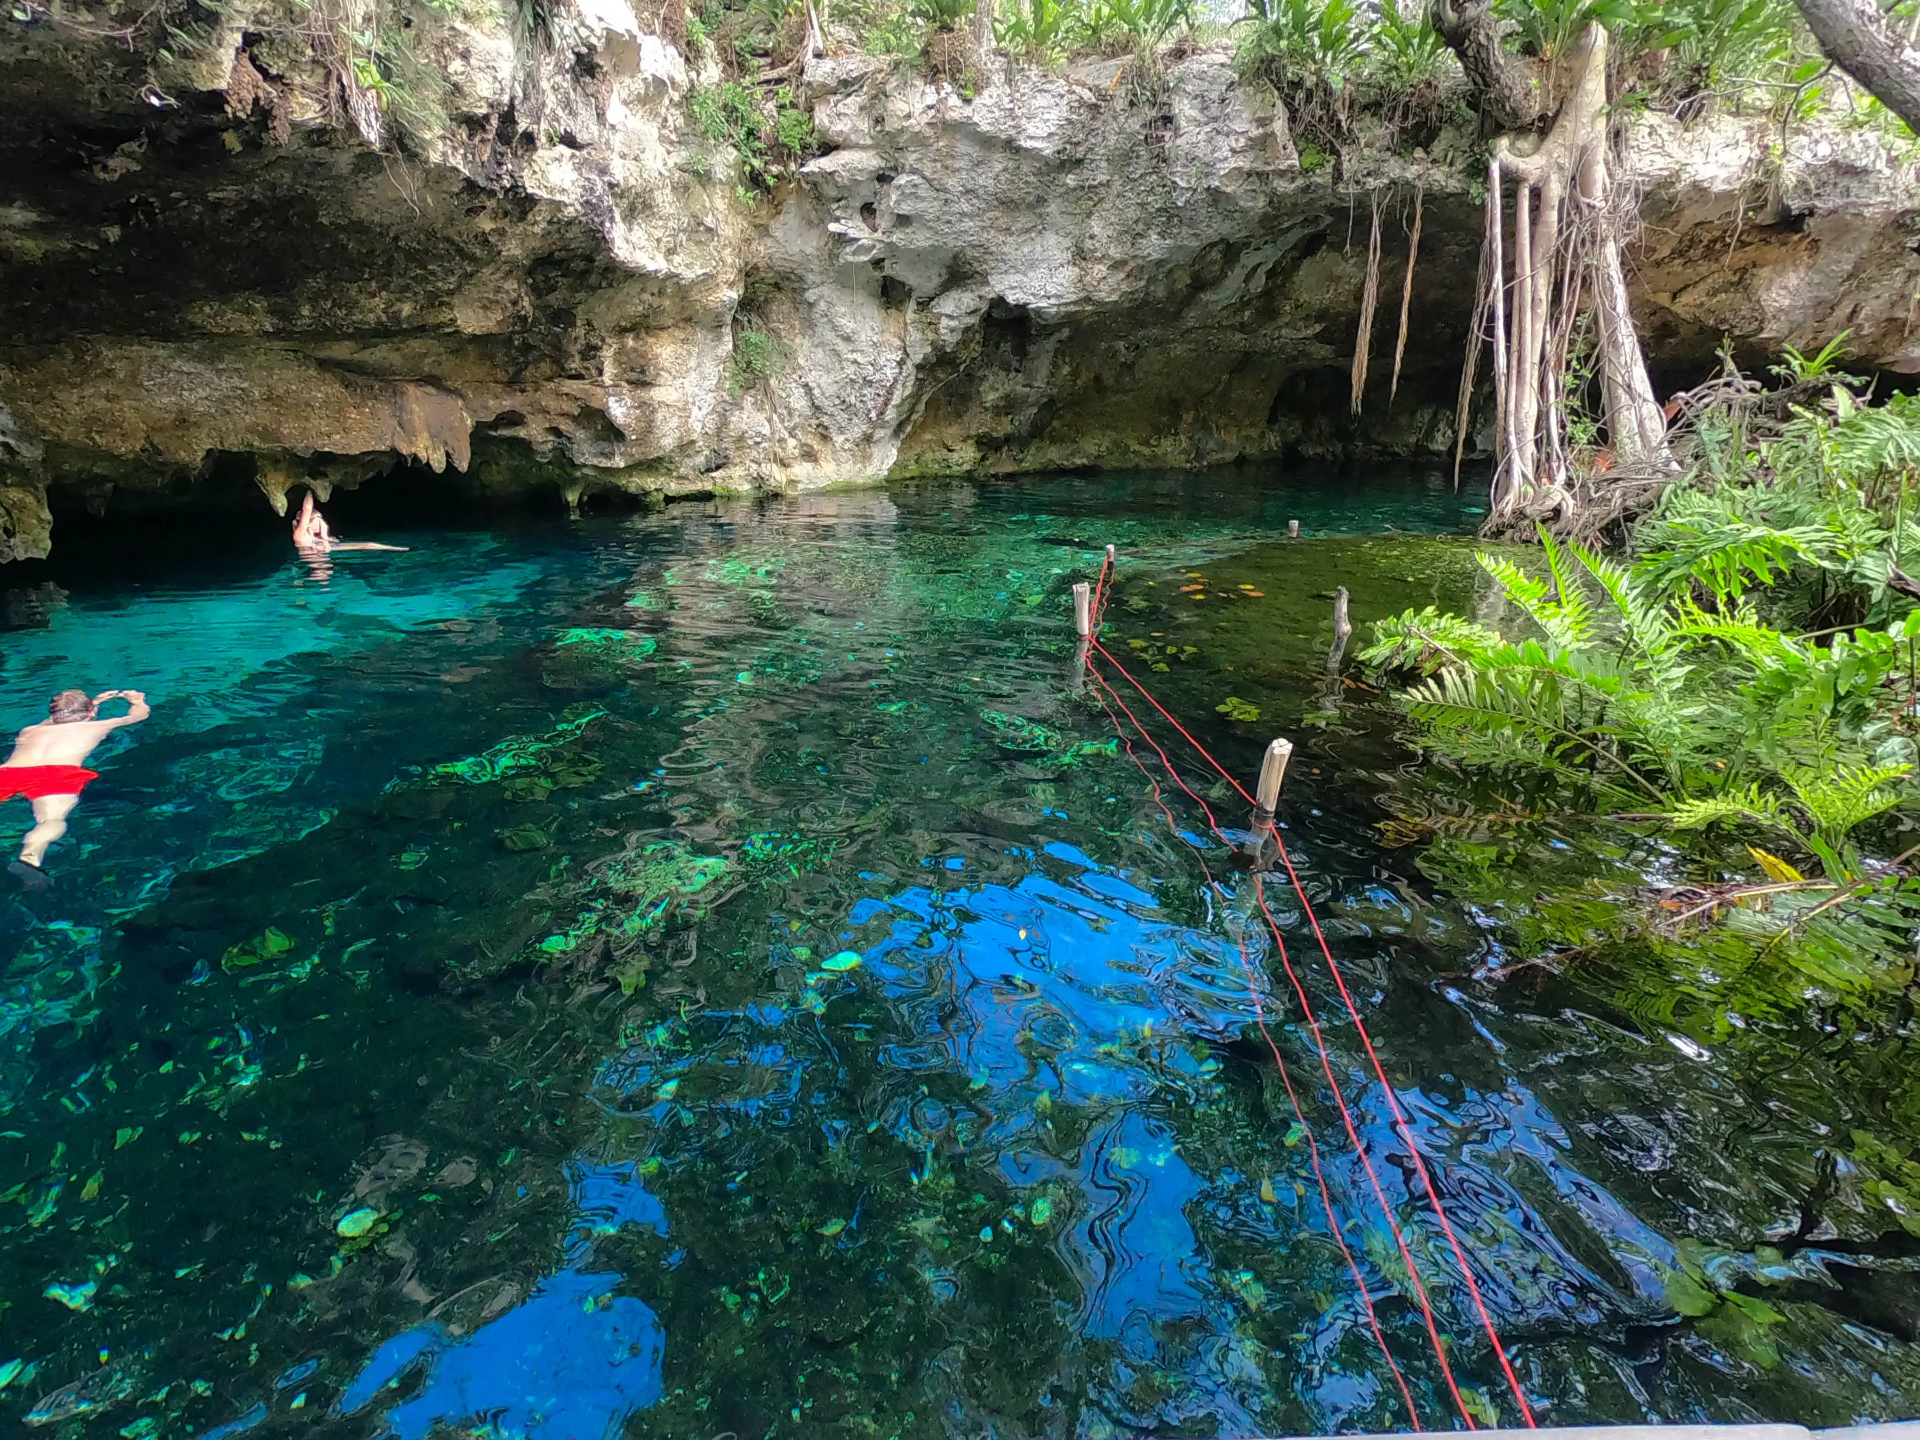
237, 272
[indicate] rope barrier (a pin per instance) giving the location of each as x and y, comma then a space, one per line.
1326, 1065
1406, 1135
1286, 1078
1401, 1125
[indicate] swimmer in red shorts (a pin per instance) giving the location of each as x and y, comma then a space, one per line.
45, 769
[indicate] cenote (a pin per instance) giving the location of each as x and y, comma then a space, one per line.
719, 971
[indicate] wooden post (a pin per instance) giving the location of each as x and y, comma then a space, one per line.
1273, 770
1293, 529
1342, 628
1083, 609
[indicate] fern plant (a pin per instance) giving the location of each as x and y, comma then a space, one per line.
1630, 689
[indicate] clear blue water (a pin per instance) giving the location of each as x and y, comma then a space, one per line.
708, 972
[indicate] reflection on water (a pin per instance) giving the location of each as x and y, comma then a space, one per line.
714, 972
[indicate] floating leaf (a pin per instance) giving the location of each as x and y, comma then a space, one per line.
126, 1135
355, 1223
526, 837
91, 1190
1296, 1132
845, 960
1266, 1190
1041, 1211
1687, 1296
831, 1228
10, 1372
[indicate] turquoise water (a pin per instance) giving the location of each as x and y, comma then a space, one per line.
717, 971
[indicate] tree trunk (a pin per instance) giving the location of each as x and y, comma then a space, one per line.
1858, 39
1509, 94
1564, 230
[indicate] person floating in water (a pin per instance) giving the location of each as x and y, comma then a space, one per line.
45, 769
315, 541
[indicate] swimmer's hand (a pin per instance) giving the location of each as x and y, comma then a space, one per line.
137, 708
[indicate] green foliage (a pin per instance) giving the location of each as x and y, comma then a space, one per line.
756, 355
1631, 692
769, 140
1549, 27
1316, 41
938, 15
1824, 364
1407, 52
1146, 23
1036, 27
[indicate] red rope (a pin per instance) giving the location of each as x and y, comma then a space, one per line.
1221, 769
1286, 1078
1406, 1135
1401, 1124
1100, 589
1326, 1065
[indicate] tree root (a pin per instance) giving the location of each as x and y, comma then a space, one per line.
1406, 288
1369, 302
1566, 263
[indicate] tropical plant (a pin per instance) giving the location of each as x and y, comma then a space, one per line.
1146, 23
1321, 41
1629, 690
1406, 53
1036, 27
940, 15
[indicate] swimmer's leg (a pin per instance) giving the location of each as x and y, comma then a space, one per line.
50, 823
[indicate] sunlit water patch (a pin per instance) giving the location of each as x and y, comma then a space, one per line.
723, 972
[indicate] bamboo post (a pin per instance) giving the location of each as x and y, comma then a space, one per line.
1293, 529
1083, 609
1266, 792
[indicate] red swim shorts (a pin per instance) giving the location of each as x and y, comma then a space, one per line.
36, 782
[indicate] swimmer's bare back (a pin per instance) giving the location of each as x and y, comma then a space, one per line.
68, 742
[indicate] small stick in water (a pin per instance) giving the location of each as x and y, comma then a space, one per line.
1342, 628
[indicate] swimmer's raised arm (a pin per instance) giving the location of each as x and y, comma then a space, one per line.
137, 707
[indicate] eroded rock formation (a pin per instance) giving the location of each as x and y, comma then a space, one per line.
209, 276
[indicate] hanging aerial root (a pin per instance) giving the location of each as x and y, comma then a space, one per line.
1369, 302
1406, 288
1469, 372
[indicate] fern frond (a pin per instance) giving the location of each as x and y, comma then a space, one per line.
1707, 538
1426, 640
1847, 796
1751, 804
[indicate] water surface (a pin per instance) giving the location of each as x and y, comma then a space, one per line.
721, 971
